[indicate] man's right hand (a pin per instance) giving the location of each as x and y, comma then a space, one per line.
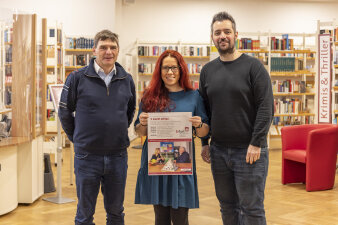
205, 153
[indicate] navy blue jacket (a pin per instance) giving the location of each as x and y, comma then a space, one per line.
102, 114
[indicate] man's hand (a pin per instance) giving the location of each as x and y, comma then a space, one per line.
205, 153
253, 154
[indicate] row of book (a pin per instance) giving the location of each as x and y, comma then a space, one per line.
285, 64
8, 95
184, 50
288, 86
247, 43
148, 68
8, 35
195, 50
292, 120
8, 54
77, 60
142, 85
8, 79
287, 106
285, 43
335, 57
79, 43
333, 33
8, 71
154, 50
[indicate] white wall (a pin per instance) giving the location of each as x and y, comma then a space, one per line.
189, 20
172, 20
79, 17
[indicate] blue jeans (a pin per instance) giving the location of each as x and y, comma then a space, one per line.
239, 186
109, 171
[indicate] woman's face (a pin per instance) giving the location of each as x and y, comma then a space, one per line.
170, 72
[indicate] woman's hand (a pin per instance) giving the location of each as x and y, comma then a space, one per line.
196, 121
144, 119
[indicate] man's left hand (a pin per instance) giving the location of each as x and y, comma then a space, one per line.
253, 154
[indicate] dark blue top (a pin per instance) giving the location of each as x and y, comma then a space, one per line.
171, 190
184, 158
103, 114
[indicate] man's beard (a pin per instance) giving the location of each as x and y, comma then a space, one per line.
229, 50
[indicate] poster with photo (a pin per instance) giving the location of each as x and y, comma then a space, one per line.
170, 143
55, 90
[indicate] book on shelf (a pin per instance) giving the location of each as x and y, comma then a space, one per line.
8, 54
195, 50
248, 44
288, 86
79, 43
282, 44
283, 64
8, 35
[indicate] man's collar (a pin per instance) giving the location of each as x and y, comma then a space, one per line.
99, 69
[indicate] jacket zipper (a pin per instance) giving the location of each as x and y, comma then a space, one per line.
119, 78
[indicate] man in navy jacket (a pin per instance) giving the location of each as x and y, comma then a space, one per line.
97, 106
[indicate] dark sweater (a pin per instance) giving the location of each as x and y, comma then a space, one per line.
103, 114
239, 101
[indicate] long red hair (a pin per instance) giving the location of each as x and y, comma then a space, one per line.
156, 96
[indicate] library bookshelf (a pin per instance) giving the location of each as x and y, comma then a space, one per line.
77, 54
290, 61
196, 55
54, 49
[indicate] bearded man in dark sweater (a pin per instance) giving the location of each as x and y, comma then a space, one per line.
238, 96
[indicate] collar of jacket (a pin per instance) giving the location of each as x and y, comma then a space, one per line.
120, 72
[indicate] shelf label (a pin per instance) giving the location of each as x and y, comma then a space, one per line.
324, 79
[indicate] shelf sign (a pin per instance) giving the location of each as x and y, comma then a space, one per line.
324, 79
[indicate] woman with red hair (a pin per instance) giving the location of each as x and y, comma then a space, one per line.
169, 91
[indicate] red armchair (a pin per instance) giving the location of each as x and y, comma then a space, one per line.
309, 154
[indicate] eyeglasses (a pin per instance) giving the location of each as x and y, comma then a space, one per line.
174, 69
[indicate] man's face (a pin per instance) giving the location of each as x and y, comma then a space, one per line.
181, 150
224, 37
106, 53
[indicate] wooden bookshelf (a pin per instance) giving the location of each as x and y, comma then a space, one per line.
253, 51
293, 51
4, 111
298, 114
196, 57
73, 67
79, 50
293, 94
335, 111
293, 73
335, 88
335, 66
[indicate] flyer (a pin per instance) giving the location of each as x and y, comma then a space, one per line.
170, 143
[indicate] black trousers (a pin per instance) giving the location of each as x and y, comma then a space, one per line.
166, 215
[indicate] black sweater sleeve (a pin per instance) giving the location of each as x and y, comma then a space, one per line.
263, 96
202, 91
67, 106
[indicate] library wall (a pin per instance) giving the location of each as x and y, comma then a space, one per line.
189, 21
79, 17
